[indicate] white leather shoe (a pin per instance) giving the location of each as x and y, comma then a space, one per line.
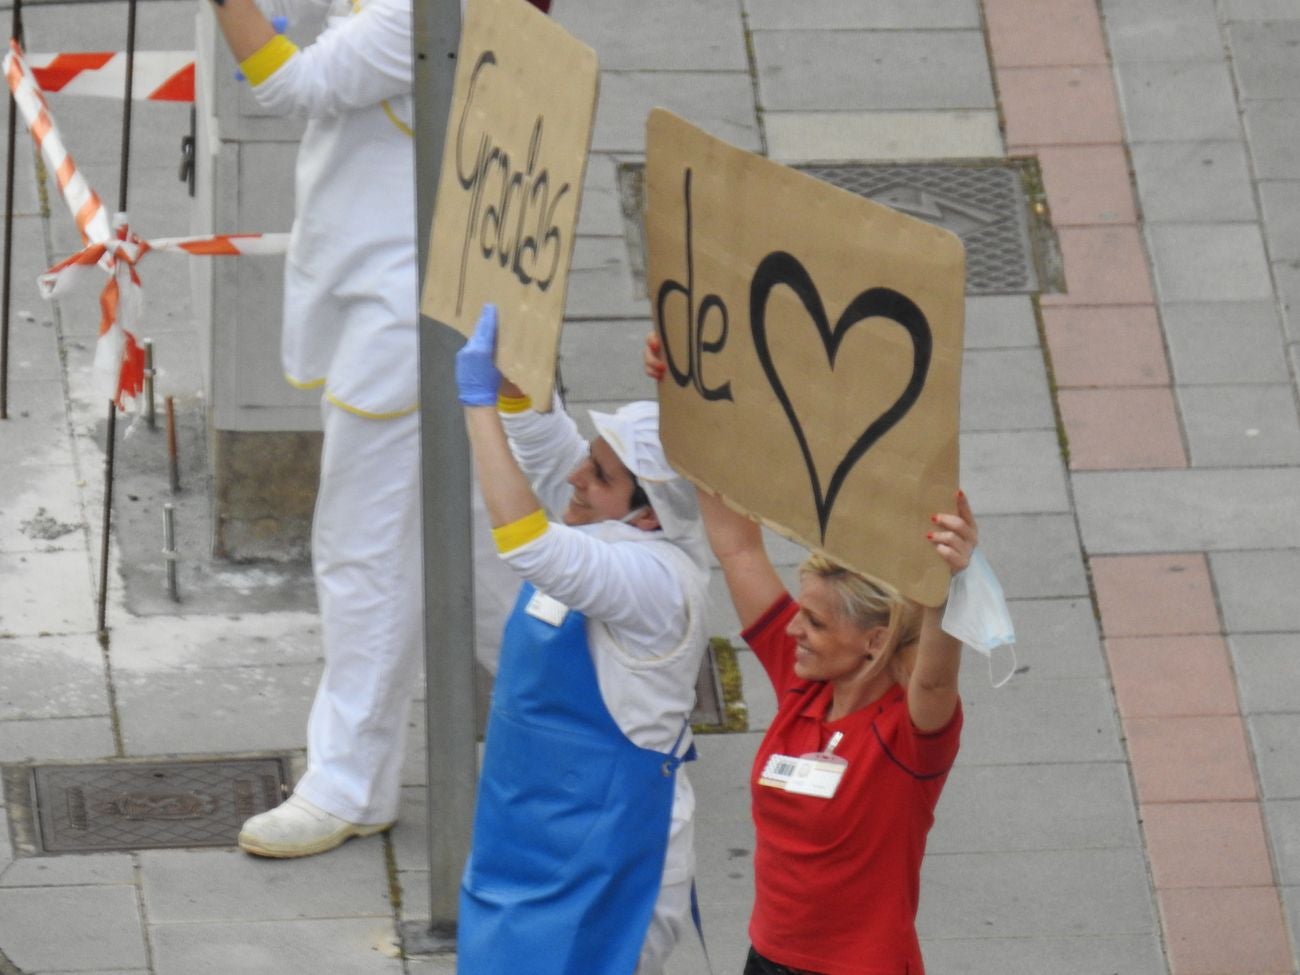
296, 828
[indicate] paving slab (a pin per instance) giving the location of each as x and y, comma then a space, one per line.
650, 37
1014, 472
1225, 342
1188, 182
602, 207
1240, 426
1256, 590
1273, 737
1039, 721
1130, 954
273, 948
1268, 671
1055, 639
1035, 555
105, 931
32, 607
812, 136
1250, 10
230, 885
1272, 131
56, 739
1177, 101
231, 709
1185, 511
720, 102
1067, 806
1151, 30
1287, 276
1087, 184
31, 666
615, 374
87, 870
1280, 206
1209, 262
1005, 389
850, 14
41, 511
1000, 322
1263, 58
1054, 893
600, 282
1283, 818
804, 70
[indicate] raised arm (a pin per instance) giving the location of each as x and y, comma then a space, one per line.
737, 542
932, 690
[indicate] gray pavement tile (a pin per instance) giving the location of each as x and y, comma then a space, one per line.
41, 511
1130, 954
602, 209
1273, 131
1035, 555
1187, 510
1273, 737
1209, 262
1076, 806
33, 607
1257, 590
232, 709
600, 282
1005, 389
720, 102
408, 837
1240, 426
760, 699
850, 14
1264, 59
6, 845
1000, 322
1287, 276
357, 946
1236, 10
1184, 182
1014, 471
159, 644
56, 739
229, 885
801, 137
1224, 342
52, 677
1055, 639
1035, 894
676, 35
89, 870
1039, 721
803, 70
166, 25
1267, 666
1282, 818
1177, 101
1280, 203
36, 433
603, 359
106, 932
1151, 30
33, 348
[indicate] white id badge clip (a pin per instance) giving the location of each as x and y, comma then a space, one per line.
546, 609
815, 774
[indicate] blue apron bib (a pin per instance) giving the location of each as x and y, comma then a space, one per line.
572, 821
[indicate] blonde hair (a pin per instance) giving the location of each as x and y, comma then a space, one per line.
868, 603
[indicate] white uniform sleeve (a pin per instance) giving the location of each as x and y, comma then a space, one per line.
358, 61
548, 447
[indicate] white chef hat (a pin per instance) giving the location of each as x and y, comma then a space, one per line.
632, 432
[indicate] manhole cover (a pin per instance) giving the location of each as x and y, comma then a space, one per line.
144, 805
985, 204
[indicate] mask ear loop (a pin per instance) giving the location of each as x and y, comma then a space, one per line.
1010, 673
633, 515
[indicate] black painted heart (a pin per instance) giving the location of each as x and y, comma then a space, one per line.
782, 269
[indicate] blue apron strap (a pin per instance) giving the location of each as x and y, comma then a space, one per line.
674, 761
699, 926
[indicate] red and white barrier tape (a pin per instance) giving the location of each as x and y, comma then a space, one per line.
158, 76
87, 209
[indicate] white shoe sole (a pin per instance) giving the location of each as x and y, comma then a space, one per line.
285, 851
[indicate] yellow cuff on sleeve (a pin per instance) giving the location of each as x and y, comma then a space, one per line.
267, 59
519, 533
513, 404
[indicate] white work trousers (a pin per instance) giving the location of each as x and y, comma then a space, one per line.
366, 552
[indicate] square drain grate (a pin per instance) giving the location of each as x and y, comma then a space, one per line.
141, 805
987, 204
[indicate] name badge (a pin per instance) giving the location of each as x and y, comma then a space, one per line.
546, 609
818, 774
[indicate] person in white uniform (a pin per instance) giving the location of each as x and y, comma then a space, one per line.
350, 329
582, 857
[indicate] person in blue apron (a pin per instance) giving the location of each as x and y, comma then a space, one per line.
582, 855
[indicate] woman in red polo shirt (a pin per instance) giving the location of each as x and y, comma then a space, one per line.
845, 782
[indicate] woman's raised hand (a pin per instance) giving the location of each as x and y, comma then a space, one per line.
652, 357
955, 535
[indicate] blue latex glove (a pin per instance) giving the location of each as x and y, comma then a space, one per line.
477, 377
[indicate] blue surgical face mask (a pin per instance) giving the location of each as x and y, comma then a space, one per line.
977, 613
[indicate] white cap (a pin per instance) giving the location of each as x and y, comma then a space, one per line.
632, 432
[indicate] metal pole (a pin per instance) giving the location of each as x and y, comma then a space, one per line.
448, 551
150, 413
110, 432
16, 32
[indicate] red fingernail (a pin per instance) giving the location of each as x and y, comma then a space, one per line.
935, 519
961, 494
930, 536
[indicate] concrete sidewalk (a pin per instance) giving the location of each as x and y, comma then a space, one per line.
1130, 803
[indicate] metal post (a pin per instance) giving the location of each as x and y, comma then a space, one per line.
150, 412
448, 552
173, 455
16, 32
169, 550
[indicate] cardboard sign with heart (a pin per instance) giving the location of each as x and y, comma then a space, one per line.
813, 340
506, 212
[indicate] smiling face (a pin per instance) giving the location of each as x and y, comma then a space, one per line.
830, 645
602, 487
